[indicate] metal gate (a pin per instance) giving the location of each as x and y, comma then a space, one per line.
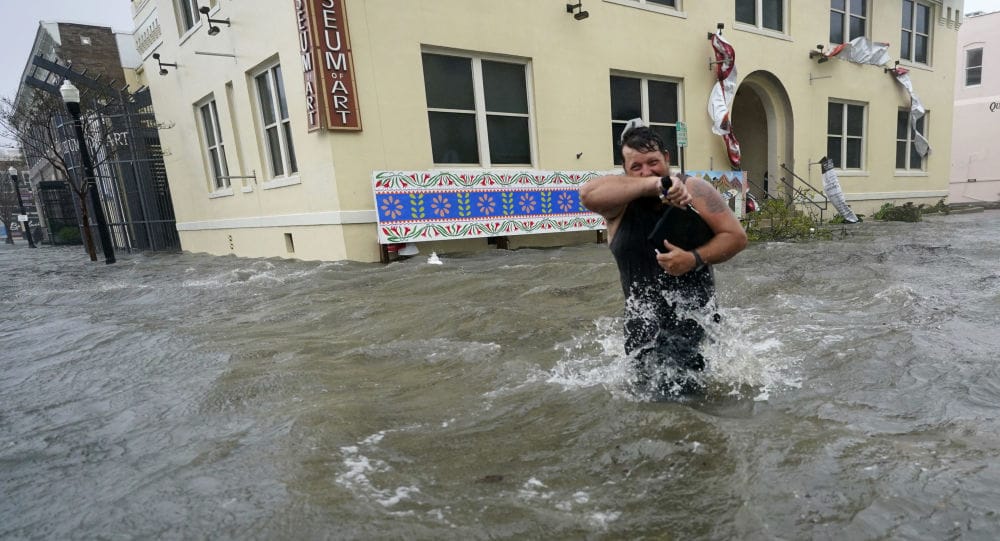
124, 143
61, 219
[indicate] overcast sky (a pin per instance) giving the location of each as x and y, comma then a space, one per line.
21, 17
20, 23
982, 5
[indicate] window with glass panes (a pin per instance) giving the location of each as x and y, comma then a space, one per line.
275, 122
477, 109
848, 19
974, 67
214, 148
187, 14
907, 156
915, 40
655, 102
845, 134
769, 14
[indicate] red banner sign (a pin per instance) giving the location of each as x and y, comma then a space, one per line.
327, 65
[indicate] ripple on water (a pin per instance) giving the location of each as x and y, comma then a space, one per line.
852, 392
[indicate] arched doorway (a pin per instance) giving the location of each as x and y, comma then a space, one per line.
762, 122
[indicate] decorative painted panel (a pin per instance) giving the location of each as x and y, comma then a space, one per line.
731, 184
416, 206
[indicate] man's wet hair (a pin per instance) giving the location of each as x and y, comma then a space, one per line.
643, 139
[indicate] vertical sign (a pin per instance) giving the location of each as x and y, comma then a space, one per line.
308, 55
682, 134
327, 65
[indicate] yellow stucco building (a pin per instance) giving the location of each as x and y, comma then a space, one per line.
271, 152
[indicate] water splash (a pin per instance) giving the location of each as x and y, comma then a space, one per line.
744, 357
358, 469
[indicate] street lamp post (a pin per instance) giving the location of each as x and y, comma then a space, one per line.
26, 224
71, 95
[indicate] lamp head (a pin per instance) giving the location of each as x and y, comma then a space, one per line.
163, 71
213, 30
581, 16
204, 10
70, 93
12, 171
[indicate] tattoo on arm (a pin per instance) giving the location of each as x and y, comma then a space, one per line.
710, 197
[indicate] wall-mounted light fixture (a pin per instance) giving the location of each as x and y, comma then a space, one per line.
818, 52
163, 65
212, 29
718, 26
570, 8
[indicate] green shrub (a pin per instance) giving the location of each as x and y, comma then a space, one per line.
907, 212
777, 221
937, 207
68, 235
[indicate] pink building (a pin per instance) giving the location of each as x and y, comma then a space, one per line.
975, 158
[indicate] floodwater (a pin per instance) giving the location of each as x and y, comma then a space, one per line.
853, 394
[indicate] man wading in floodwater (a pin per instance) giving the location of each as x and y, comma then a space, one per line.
662, 283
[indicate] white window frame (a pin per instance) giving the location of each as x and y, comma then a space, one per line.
281, 125
481, 114
211, 129
758, 25
969, 68
644, 105
910, 137
846, 27
649, 5
844, 137
914, 33
187, 12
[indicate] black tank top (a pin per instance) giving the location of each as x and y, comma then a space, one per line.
652, 295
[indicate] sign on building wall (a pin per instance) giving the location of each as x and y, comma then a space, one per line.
327, 65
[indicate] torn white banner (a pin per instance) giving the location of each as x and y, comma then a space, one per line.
833, 191
916, 111
862, 51
720, 101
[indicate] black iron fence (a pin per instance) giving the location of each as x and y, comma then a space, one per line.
123, 141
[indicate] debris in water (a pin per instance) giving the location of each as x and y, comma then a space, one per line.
492, 478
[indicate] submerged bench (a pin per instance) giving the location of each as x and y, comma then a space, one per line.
419, 206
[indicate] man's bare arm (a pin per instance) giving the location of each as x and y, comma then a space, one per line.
608, 195
730, 238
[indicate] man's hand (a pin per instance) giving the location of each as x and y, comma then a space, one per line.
675, 261
677, 195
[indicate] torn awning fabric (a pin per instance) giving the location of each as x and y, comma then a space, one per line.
862, 51
720, 101
917, 110
831, 186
